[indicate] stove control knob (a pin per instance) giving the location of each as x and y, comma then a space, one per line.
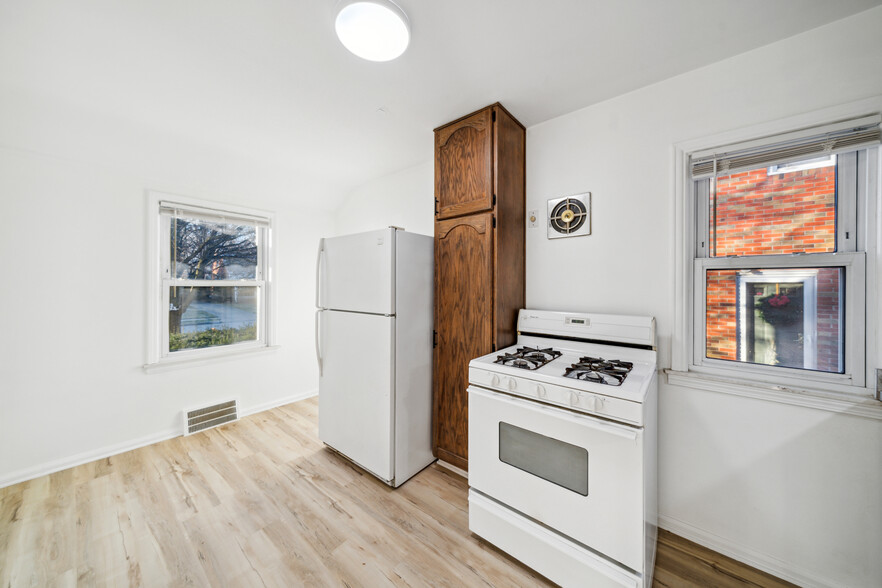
574, 397
494, 380
592, 403
540, 391
512, 384
598, 403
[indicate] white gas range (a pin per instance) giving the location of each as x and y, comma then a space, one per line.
562, 447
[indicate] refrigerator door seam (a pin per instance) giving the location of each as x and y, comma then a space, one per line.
393, 395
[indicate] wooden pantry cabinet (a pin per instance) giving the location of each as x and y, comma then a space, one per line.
479, 259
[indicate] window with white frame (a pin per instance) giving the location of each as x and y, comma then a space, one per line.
212, 287
779, 272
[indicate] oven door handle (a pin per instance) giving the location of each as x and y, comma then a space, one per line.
583, 420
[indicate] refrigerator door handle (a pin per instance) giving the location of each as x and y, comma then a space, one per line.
318, 342
318, 270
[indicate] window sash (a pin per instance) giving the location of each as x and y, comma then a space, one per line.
848, 237
262, 316
854, 264
165, 254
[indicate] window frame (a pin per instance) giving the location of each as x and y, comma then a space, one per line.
160, 279
809, 388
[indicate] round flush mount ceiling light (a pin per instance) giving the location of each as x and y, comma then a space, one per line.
376, 30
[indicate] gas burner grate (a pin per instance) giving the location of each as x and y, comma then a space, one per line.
528, 358
611, 372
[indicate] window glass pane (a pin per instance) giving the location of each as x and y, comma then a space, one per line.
211, 316
777, 210
783, 317
207, 250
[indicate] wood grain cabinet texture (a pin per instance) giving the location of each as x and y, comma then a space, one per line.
479, 259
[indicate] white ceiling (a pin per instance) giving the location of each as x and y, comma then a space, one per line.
269, 80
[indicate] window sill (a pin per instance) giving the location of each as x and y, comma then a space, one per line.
173, 363
862, 406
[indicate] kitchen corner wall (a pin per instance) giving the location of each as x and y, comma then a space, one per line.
73, 298
791, 489
403, 199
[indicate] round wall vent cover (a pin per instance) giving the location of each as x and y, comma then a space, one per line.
569, 216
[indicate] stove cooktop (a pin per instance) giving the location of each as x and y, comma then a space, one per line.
608, 370
611, 372
528, 358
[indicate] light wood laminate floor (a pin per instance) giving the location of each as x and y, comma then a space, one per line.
262, 503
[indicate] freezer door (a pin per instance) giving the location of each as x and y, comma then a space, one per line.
355, 388
356, 272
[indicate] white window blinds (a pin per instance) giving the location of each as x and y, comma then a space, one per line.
847, 135
177, 210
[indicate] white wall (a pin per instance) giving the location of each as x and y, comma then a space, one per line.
795, 490
73, 298
403, 199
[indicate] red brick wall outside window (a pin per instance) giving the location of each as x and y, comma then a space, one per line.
758, 213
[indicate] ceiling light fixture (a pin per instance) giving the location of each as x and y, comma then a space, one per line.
376, 30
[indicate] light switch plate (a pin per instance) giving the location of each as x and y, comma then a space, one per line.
533, 219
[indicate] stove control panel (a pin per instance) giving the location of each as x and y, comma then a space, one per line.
605, 406
590, 402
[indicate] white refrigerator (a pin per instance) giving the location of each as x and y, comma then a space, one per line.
373, 327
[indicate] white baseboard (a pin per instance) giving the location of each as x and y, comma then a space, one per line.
111, 450
744, 554
278, 402
64, 463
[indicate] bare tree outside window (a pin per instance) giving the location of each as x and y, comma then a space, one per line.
216, 251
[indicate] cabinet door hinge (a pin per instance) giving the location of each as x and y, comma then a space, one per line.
493, 116
434, 339
494, 347
494, 200
494, 222
436, 207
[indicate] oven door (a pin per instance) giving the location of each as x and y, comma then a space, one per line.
579, 475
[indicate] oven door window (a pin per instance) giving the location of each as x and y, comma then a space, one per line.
557, 462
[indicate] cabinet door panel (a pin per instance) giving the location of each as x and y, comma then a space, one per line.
464, 166
464, 322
